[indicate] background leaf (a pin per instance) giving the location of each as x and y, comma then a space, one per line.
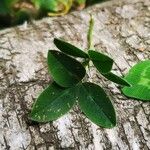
139, 78
96, 105
65, 70
116, 79
69, 48
102, 62
52, 103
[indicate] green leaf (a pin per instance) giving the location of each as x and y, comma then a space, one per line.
69, 49
52, 103
139, 78
3, 8
21, 16
96, 105
116, 79
47, 5
65, 70
102, 62
10, 3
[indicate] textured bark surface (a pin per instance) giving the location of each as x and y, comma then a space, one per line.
121, 31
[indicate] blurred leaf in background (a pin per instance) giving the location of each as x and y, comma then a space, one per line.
14, 12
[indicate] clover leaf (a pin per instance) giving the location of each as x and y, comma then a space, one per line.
116, 79
102, 62
67, 88
96, 105
139, 78
52, 103
65, 70
69, 48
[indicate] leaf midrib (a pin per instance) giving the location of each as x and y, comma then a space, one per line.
96, 103
70, 73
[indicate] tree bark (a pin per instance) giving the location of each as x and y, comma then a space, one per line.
122, 32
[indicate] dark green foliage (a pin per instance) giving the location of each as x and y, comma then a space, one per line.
116, 79
65, 70
96, 105
69, 49
52, 103
102, 62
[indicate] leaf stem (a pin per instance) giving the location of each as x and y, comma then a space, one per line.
90, 32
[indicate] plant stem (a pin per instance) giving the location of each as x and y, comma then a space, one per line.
85, 62
90, 32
